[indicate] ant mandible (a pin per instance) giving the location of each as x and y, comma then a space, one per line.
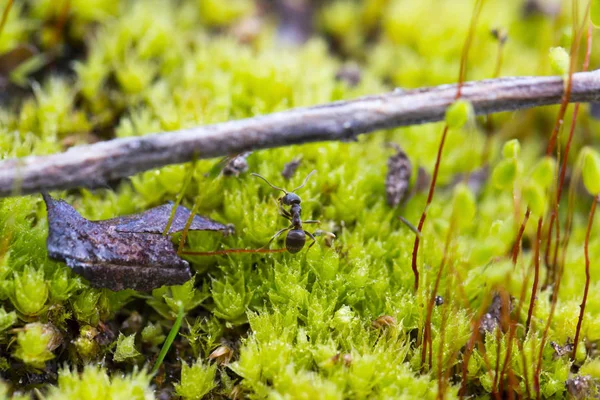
296, 237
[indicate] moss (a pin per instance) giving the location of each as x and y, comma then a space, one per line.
339, 321
35, 343
153, 334
7, 319
125, 349
95, 383
197, 380
30, 291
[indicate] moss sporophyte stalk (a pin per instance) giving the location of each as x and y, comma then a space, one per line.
501, 206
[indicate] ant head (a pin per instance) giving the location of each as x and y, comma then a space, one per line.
290, 198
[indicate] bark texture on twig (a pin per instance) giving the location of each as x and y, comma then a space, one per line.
94, 165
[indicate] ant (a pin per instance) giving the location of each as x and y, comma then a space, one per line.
296, 237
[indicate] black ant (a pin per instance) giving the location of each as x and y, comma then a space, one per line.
296, 237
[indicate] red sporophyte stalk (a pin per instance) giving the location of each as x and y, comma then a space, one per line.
563, 169
5, 15
489, 124
554, 214
461, 79
517, 245
424, 214
577, 34
427, 339
525, 369
474, 339
497, 366
512, 328
440, 355
187, 227
587, 276
536, 273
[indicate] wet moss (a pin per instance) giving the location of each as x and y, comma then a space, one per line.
298, 325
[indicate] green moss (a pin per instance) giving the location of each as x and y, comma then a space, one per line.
86, 346
197, 380
35, 343
95, 383
153, 334
167, 300
30, 291
302, 325
125, 349
7, 319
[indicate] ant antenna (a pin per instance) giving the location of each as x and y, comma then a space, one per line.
273, 186
305, 180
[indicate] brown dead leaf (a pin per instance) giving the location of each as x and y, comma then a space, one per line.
126, 252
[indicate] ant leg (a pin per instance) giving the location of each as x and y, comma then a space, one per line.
283, 212
311, 221
320, 232
286, 217
276, 236
310, 235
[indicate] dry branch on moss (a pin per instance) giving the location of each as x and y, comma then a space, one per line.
94, 165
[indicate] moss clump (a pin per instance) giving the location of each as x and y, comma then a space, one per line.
342, 320
125, 348
197, 380
35, 343
94, 383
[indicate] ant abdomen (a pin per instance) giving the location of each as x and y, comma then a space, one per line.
295, 240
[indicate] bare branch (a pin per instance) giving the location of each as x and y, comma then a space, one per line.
94, 165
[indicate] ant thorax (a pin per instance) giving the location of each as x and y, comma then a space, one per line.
295, 211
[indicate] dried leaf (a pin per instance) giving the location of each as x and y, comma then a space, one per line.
349, 73
581, 387
224, 353
561, 351
155, 220
491, 319
127, 252
398, 175
289, 169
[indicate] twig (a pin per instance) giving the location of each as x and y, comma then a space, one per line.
96, 164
